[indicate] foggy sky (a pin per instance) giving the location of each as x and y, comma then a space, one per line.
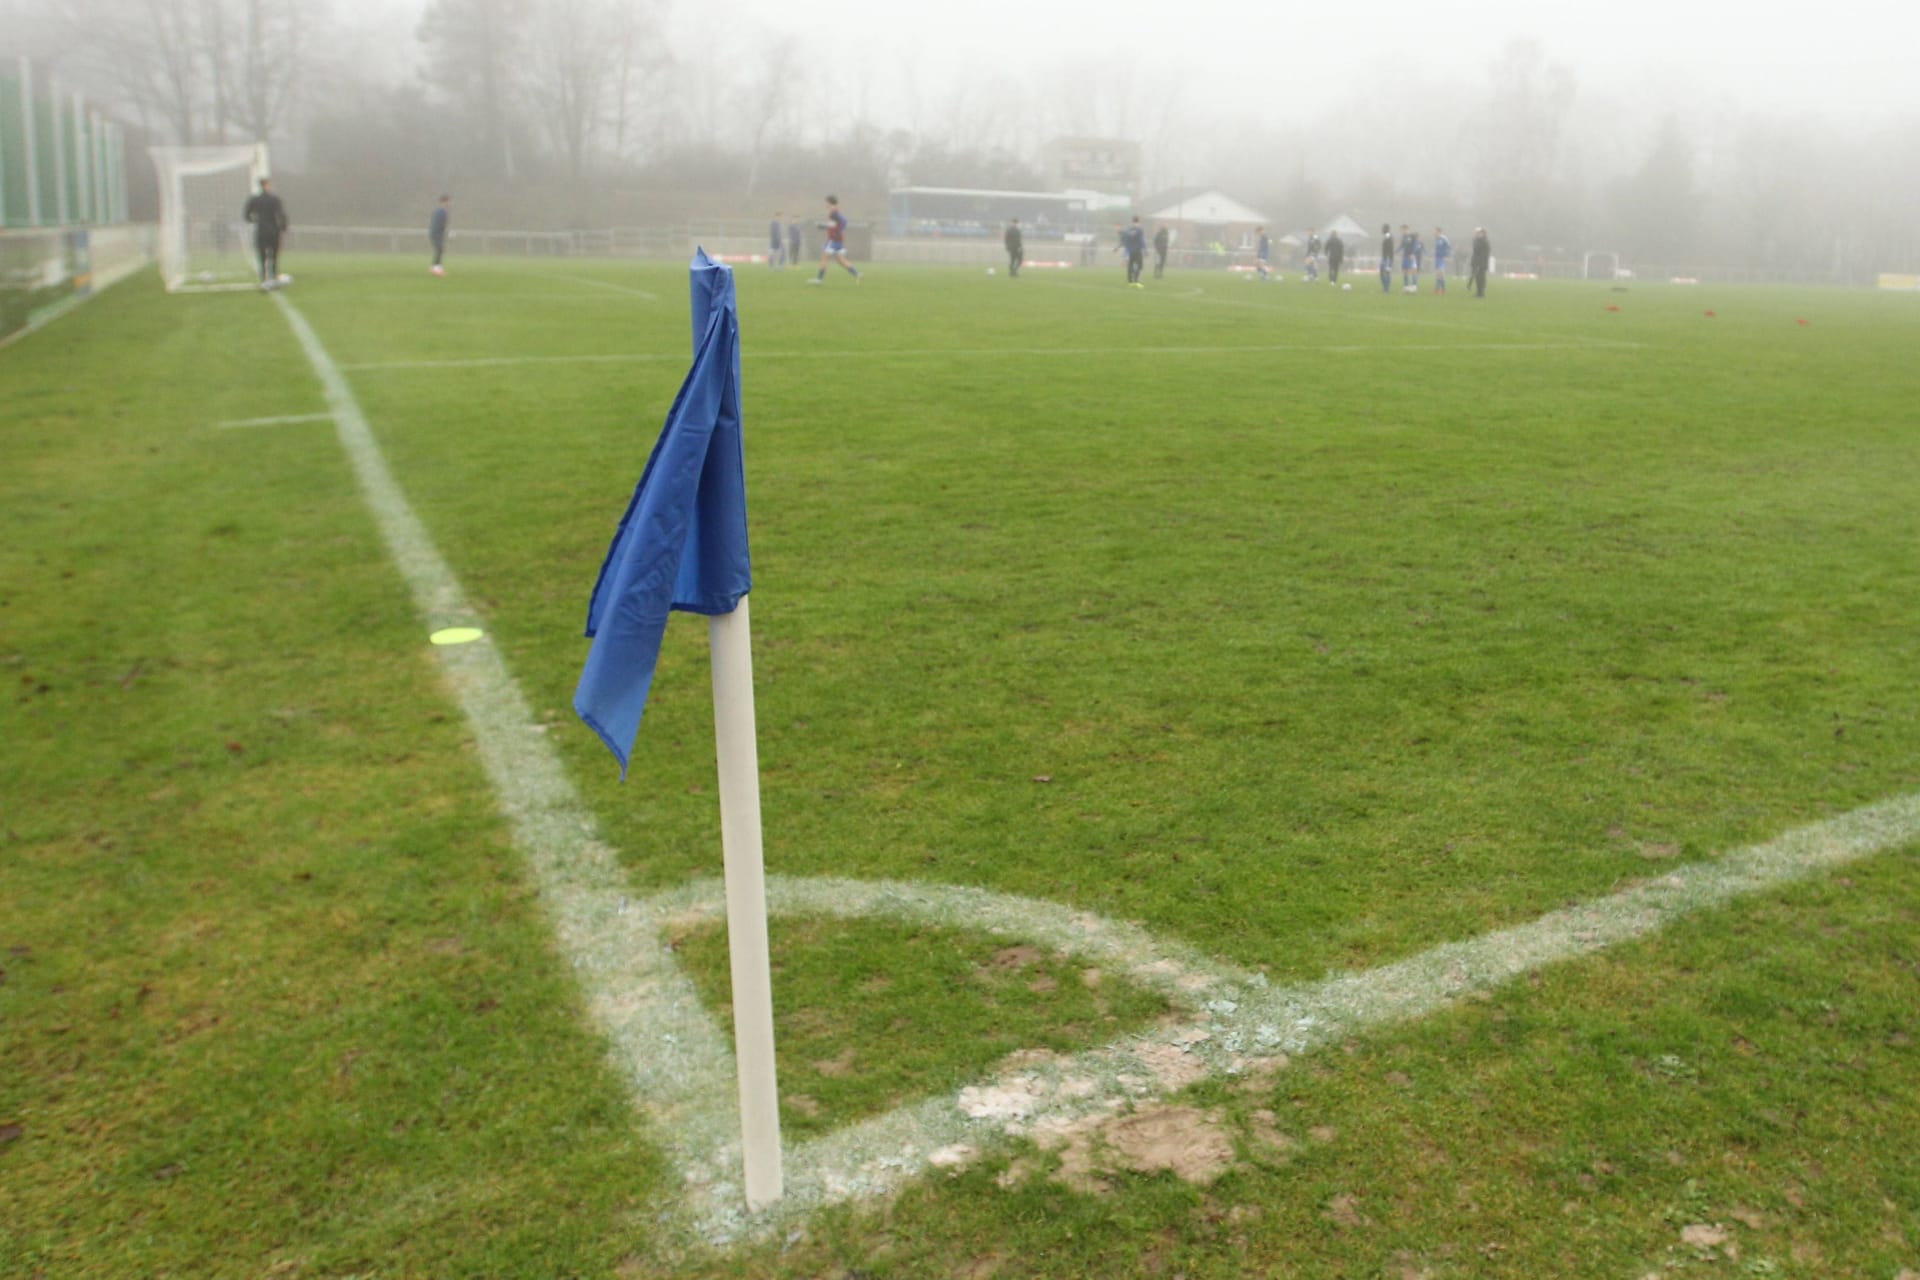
1836, 59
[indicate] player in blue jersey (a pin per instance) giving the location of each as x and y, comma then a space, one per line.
1133, 242
776, 243
1409, 259
1263, 254
835, 250
1442, 251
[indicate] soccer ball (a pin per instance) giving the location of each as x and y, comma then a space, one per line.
989, 270
1346, 288
286, 279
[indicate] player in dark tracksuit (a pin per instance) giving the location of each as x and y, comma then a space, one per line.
1410, 249
1386, 257
1336, 254
269, 219
437, 233
1161, 242
1313, 256
1478, 260
1016, 247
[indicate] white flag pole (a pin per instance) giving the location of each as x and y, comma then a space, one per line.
739, 757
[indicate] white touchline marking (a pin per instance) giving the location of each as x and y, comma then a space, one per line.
928, 353
591, 283
283, 419
1202, 296
1232, 1021
661, 1039
678, 1063
490, 362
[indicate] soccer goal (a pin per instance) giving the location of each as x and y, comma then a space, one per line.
1598, 265
205, 242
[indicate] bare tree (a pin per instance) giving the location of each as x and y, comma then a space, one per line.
573, 74
160, 53
270, 66
769, 99
472, 49
1520, 136
641, 61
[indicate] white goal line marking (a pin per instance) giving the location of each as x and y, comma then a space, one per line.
676, 1059
284, 419
928, 353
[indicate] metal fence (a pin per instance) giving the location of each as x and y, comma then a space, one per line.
611, 242
62, 163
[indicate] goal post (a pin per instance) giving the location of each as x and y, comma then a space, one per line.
1599, 264
205, 242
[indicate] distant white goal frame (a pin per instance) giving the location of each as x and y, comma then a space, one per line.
1606, 259
205, 244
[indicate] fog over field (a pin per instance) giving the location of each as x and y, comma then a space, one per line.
1763, 135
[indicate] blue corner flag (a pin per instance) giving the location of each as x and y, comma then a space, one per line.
683, 542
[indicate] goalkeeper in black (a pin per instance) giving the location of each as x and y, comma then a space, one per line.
269, 219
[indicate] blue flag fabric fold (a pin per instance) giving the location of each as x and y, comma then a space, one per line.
683, 541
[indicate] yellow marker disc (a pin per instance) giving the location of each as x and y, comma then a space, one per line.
456, 635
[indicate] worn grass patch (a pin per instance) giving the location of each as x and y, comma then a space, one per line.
870, 1015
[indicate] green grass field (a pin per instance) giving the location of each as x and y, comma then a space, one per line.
1306, 629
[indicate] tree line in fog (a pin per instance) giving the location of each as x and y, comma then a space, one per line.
569, 112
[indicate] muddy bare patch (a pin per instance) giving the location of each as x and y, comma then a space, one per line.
1020, 957
842, 1065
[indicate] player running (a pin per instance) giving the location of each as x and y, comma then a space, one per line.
836, 247
1442, 251
269, 219
1313, 256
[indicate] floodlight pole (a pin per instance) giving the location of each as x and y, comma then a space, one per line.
739, 758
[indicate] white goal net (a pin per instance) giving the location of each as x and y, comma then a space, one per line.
205, 241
